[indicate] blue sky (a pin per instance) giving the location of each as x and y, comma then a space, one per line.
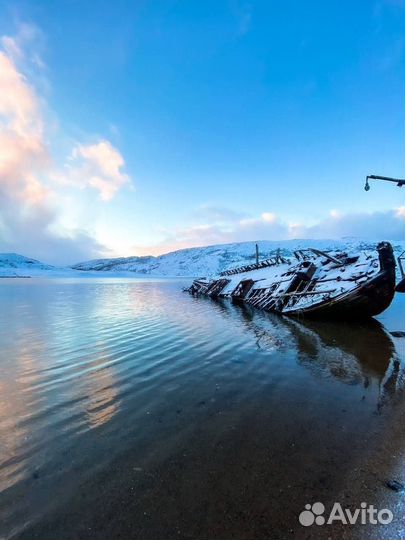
201, 122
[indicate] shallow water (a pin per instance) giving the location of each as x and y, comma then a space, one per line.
108, 386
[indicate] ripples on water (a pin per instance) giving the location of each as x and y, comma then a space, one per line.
92, 368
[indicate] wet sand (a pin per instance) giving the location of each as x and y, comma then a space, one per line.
247, 483
214, 464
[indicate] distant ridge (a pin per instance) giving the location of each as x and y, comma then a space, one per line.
190, 262
203, 261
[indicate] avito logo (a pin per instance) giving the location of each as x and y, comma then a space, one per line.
314, 513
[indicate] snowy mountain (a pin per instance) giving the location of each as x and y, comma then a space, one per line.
206, 261
192, 262
14, 265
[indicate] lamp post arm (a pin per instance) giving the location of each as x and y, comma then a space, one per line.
398, 181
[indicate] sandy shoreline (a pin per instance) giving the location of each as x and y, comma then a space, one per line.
232, 488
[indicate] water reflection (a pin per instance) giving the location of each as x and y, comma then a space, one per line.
101, 390
16, 403
91, 370
353, 353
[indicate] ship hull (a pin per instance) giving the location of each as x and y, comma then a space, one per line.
368, 300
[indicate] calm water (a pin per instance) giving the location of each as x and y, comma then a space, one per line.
108, 386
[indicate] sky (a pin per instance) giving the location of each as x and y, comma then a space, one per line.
141, 127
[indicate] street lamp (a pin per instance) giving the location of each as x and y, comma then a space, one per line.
399, 182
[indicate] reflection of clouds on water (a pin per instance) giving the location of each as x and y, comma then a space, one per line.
17, 402
101, 391
12, 437
55, 378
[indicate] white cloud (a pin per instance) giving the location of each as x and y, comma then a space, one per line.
98, 166
400, 212
23, 152
387, 225
30, 200
268, 217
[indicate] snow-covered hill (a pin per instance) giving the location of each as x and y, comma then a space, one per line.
210, 260
192, 262
14, 265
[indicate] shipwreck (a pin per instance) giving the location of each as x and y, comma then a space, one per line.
314, 283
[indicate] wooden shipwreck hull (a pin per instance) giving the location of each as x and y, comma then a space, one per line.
322, 284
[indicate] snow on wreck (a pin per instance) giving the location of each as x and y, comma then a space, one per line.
317, 283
